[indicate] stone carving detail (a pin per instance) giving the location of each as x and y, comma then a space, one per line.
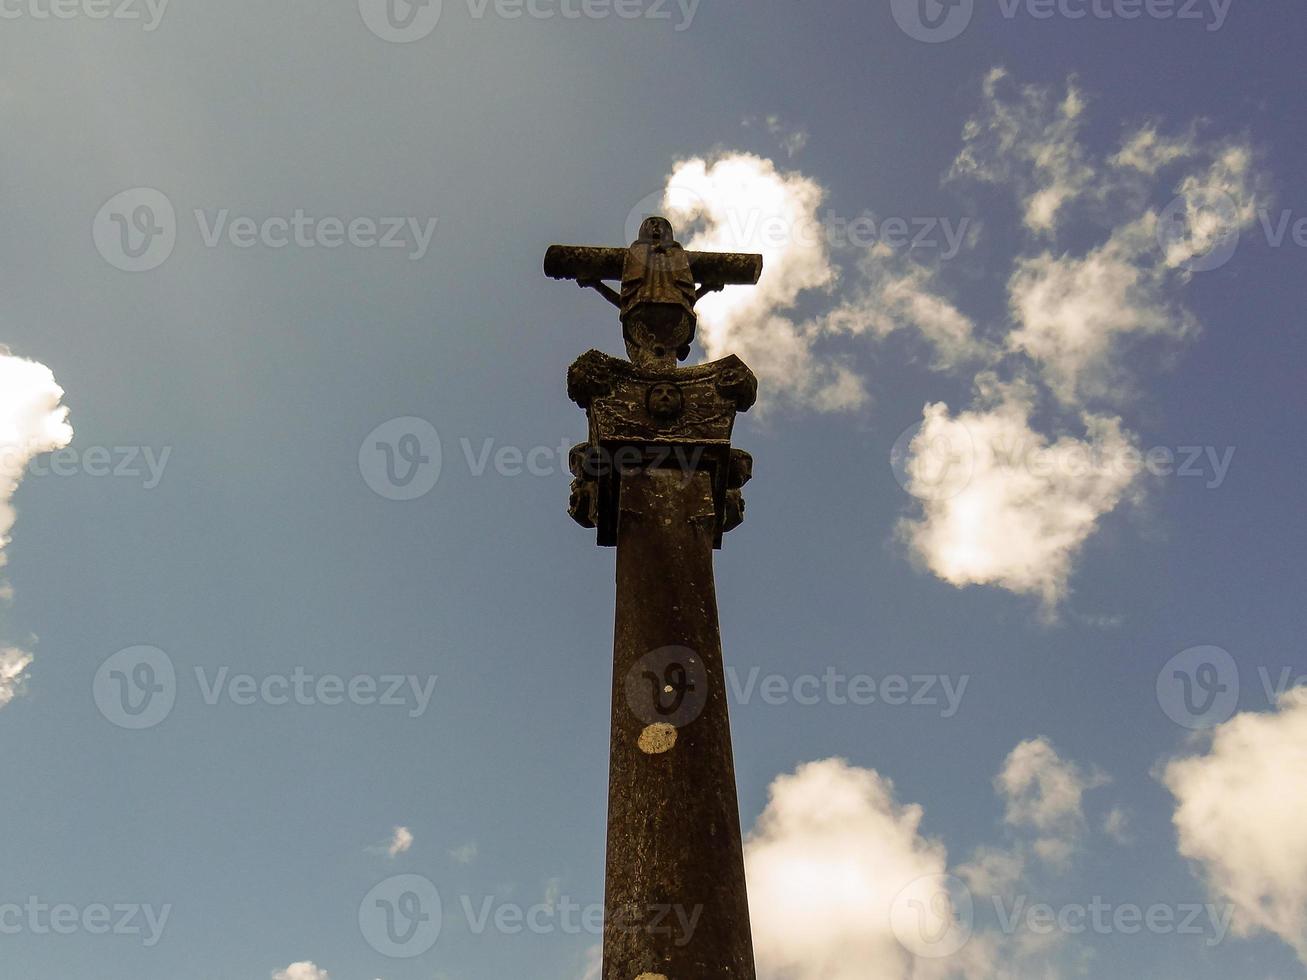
665, 401
647, 411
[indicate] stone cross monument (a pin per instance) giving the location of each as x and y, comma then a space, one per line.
659, 480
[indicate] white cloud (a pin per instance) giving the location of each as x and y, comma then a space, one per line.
742, 203
13, 669
896, 293
594, 963
1240, 814
400, 841
835, 861
1149, 151
1117, 825
1004, 505
1028, 138
301, 971
1077, 318
1077, 314
1043, 793
1073, 314
32, 421
825, 862
465, 853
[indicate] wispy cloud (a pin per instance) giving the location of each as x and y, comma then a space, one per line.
843, 881
32, 421
301, 971
1239, 815
1109, 240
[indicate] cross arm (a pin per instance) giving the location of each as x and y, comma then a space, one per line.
596, 263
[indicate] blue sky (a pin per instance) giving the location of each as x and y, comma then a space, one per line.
1021, 468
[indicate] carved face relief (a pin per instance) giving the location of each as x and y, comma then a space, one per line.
665, 401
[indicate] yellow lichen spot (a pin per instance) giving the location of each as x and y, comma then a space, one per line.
652, 976
655, 740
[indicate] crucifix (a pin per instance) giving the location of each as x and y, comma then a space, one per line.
659, 480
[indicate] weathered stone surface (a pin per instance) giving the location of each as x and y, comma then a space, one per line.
674, 848
681, 418
658, 479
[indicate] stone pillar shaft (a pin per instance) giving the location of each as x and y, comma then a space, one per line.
676, 901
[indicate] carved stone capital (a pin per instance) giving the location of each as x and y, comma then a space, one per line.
656, 416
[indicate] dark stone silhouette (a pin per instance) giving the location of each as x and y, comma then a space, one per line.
659, 480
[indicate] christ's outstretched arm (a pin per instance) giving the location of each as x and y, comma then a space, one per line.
604, 290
